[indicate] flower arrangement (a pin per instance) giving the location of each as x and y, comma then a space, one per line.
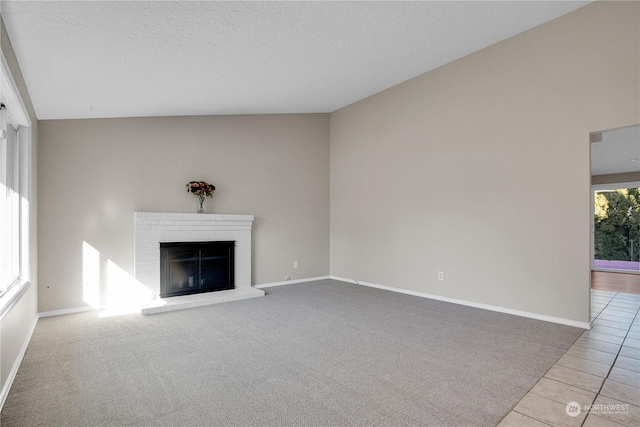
200, 189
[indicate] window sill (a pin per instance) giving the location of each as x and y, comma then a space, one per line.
12, 295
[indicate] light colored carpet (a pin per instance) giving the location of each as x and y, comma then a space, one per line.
317, 354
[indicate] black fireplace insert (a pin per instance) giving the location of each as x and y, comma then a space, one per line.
195, 267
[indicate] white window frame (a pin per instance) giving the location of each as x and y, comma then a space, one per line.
18, 115
10, 206
606, 187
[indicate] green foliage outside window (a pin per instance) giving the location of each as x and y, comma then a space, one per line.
617, 225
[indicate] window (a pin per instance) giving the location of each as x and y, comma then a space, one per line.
616, 227
14, 183
9, 203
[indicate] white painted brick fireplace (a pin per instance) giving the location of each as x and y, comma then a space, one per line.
152, 228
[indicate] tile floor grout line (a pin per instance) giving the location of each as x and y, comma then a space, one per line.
600, 312
528, 416
605, 378
631, 322
612, 365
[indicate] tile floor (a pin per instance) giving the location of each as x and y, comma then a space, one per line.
600, 372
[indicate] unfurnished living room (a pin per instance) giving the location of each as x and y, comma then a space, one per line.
376, 213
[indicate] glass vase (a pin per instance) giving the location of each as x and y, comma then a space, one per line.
201, 204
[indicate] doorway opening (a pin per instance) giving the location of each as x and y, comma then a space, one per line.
615, 210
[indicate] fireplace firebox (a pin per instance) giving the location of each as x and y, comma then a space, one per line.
196, 267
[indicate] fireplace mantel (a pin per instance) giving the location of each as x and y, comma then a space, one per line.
152, 228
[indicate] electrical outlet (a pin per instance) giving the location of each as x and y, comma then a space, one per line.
440, 275
295, 264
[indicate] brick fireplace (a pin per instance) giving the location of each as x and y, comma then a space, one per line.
153, 228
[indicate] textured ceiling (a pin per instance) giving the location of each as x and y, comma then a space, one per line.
128, 59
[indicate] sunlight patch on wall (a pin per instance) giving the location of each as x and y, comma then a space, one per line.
90, 275
125, 294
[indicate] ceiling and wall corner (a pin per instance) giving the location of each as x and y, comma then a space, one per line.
172, 58
616, 152
615, 178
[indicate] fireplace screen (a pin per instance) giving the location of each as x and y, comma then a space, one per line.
195, 267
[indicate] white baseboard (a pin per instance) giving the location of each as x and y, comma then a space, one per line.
16, 364
291, 282
66, 311
559, 320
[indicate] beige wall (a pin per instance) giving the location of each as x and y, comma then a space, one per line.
615, 178
481, 168
15, 328
94, 174
458, 170
16, 324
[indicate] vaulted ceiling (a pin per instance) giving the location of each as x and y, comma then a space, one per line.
168, 58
